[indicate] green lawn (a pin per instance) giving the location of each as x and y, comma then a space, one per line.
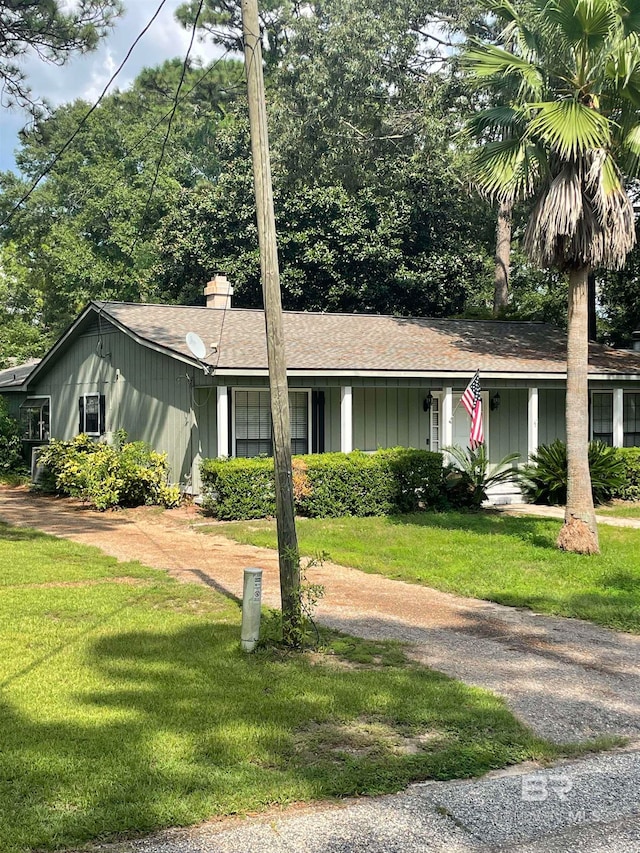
511, 560
127, 705
628, 509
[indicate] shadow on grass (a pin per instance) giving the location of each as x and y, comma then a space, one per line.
535, 531
182, 726
9, 533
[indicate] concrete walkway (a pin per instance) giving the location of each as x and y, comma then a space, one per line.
567, 679
558, 512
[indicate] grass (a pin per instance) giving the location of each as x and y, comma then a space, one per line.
511, 560
127, 706
622, 509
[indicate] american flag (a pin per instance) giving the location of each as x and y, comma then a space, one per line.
472, 402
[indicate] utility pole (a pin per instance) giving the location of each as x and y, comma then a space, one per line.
285, 514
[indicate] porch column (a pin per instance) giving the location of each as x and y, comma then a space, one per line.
222, 419
346, 419
618, 417
532, 422
447, 417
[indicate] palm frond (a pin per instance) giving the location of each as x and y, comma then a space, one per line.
487, 60
631, 148
509, 120
583, 22
585, 217
508, 169
569, 128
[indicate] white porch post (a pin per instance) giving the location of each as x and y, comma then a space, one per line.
618, 417
222, 419
447, 417
346, 419
532, 422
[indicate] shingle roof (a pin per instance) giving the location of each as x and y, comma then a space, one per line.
365, 342
14, 377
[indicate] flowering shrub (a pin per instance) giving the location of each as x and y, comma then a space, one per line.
127, 474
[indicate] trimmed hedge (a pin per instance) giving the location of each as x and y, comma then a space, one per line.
327, 485
630, 490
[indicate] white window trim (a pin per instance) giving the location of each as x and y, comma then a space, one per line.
84, 412
234, 390
42, 397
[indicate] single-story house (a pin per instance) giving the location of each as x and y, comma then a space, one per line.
356, 381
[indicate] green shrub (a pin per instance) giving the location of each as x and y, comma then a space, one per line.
545, 480
630, 488
326, 485
470, 475
128, 474
11, 458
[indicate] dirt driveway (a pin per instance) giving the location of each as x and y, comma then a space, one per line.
567, 679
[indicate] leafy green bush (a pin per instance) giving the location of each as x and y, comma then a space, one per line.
630, 488
545, 480
128, 474
11, 458
326, 485
470, 475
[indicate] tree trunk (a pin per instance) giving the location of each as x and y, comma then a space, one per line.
289, 559
503, 259
579, 532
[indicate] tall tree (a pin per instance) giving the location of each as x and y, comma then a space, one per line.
51, 29
577, 64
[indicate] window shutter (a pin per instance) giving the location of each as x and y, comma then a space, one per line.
81, 425
102, 426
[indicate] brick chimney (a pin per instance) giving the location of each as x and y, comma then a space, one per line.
218, 292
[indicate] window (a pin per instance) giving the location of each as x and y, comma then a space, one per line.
92, 414
253, 423
631, 420
35, 417
434, 443
602, 417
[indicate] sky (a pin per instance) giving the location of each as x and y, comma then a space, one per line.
86, 76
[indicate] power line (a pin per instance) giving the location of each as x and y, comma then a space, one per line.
176, 101
83, 120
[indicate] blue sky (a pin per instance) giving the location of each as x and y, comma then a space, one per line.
86, 76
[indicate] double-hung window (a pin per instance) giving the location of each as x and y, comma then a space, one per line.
602, 416
252, 423
631, 419
92, 414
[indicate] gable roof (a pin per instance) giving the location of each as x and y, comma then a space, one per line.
348, 343
354, 344
13, 378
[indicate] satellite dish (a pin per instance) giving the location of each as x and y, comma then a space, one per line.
196, 345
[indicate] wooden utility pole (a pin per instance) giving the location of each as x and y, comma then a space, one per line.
285, 513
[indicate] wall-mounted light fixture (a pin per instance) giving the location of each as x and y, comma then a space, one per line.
494, 403
427, 402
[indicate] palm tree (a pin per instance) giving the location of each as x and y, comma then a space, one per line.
564, 140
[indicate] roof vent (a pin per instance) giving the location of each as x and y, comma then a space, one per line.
218, 292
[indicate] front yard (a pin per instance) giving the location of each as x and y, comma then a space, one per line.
511, 560
127, 705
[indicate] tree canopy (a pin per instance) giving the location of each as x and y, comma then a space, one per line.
53, 31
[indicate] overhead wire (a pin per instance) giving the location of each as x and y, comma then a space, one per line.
176, 99
84, 119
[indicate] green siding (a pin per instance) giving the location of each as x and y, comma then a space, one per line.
551, 416
13, 399
507, 425
389, 417
147, 393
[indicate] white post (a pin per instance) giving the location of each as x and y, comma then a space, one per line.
532, 422
618, 417
222, 418
251, 604
346, 419
447, 417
